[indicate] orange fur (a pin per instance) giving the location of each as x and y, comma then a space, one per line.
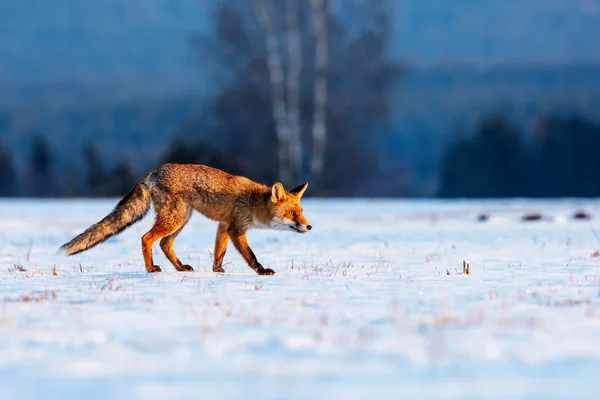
236, 202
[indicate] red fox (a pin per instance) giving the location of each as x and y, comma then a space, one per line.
235, 202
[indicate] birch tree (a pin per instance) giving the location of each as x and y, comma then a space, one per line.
319, 130
287, 116
293, 87
279, 59
277, 88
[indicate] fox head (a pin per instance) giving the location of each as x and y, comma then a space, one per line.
286, 210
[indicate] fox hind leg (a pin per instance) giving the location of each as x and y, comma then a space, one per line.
169, 219
166, 244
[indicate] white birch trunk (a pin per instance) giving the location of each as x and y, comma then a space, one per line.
319, 131
276, 77
293, 88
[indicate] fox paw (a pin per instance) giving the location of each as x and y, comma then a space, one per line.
265, 271
186, 268
154, 268
219, 270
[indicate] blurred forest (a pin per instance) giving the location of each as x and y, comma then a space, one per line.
558, 159
301, 94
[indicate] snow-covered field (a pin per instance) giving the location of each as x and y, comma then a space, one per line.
371, 303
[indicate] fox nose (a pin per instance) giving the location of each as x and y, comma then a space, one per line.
309, 227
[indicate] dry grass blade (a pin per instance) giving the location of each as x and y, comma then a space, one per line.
19, 267
466, 268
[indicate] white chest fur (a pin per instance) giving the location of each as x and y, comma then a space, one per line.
258, 225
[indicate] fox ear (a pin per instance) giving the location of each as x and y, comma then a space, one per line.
299, 190
277, 192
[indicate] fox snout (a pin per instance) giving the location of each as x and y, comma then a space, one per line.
302, 228
300, 223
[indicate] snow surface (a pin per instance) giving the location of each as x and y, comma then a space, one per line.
372, 302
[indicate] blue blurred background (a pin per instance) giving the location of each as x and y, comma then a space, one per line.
424, 98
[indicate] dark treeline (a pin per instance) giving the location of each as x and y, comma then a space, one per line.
40, 178
558, 158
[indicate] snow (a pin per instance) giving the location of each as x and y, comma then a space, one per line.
372, 302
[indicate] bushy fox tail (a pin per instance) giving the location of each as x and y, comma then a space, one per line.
132, 208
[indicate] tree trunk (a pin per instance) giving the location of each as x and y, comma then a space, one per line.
293, 88
319, 12
276, 77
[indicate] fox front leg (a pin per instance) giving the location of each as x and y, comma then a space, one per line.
240, 242
221, 242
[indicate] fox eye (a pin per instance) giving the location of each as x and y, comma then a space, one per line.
292, 213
